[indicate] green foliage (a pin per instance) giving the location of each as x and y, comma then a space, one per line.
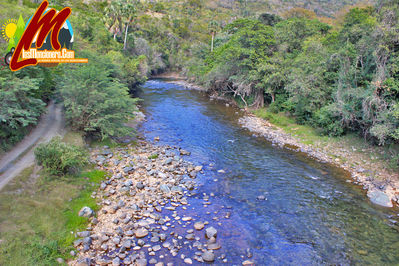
153, 156
36, 225
269, 19
95, 100
328, 121
339, 79
59, 158
19, 108
291, 33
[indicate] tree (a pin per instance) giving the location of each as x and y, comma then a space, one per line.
291, 33
269, 19
213, 27
298, 12
233, 66
19, 108
121, 13
95, 100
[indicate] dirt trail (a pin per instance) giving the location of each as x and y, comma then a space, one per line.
22, 156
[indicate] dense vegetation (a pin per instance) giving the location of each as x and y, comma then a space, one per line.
338, 75
59, 158
338, 78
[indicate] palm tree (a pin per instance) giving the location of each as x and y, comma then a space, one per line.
213, 27
121, 13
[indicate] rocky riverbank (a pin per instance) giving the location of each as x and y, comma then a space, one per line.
382, 186
145, 216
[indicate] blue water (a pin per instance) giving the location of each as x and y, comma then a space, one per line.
311, 216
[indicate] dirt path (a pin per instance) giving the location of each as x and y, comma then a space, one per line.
22, 156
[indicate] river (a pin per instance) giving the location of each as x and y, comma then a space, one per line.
310, 215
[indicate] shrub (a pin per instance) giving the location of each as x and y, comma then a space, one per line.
59, 158
19, 108
327, 120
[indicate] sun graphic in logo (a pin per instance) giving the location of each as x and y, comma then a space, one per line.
8, 29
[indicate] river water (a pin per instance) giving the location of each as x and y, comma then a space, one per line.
311, 215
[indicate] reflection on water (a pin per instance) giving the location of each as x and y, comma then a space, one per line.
310, 215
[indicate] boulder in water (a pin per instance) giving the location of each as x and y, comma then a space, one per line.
380, 198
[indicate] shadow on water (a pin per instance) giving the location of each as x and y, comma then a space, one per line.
311, 215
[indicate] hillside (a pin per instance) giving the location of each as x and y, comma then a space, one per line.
327, 8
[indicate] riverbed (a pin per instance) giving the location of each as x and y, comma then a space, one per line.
281, 207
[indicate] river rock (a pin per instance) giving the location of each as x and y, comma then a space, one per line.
211, 232
164, 188
208, 256
140, 185
190, 236
128, 169
162, 175
248, 262
116, 261
140, 233
103, 262
177, 189
214, 246
83, 262
188, 261
199, 225
261, 197
380, 198
183, 152
86, 212
83, 234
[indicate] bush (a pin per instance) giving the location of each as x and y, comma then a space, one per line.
328, 122
59, 158
19, 108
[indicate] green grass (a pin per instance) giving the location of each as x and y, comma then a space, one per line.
36, 224
306, 134
20, 181
37, 217
74, 138
386, 156
153, 156
106, 142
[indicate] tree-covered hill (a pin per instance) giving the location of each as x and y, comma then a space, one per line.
324, 63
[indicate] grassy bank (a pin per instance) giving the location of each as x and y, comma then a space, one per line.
38, 213
350, 148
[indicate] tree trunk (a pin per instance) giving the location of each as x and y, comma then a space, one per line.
259, 99
273, 97
20, 2
213, 36
125, 41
